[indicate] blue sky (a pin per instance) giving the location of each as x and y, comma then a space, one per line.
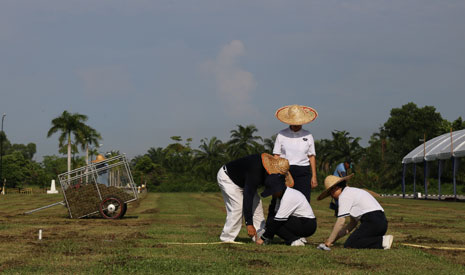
145, 70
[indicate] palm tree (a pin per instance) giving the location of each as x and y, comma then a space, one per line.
268, 143
210, 156
243, 142
88, 136
343, 147
68, 124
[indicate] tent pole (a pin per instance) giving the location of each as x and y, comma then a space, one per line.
414, 180
454, 164
403, 180
439, 178
425, 177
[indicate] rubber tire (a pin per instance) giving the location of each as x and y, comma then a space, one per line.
125, 208
119, 211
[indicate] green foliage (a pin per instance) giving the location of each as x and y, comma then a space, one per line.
17, 170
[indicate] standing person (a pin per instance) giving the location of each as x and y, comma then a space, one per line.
238, 181
296, 145
102, 177
359, 205
294, 220
341, 168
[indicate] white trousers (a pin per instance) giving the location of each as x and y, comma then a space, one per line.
233, 197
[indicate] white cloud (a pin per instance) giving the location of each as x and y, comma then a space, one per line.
103, 81
234, 85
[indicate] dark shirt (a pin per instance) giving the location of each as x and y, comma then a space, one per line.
248, 173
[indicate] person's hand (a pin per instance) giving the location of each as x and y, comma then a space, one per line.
324, 247
260, 241
314, 182
328, 244
251, 231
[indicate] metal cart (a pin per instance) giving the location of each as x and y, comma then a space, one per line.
104, 188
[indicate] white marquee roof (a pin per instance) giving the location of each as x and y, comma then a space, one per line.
439, 148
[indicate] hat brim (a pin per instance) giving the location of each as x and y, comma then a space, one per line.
310, 115
266, 161
327, 192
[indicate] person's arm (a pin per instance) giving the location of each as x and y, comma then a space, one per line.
338, 231
352, 224
247, 203
314, 181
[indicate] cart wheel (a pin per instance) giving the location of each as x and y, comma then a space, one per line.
125, 208
112, 208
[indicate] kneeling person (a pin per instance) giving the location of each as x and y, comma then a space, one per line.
360, 206
294, 218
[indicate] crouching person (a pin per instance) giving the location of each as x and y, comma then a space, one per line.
294, 219
359, 205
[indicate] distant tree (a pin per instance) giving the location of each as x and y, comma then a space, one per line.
458, 124
146, 172
88, 136
243, 142
210, 157
16, 169
28, 151
268, 144
68, 124
408, 124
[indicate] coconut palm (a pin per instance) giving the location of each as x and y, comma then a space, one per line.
210, 156
88, 136
68, 124
243, 142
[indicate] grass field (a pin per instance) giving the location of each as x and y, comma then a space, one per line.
144, 240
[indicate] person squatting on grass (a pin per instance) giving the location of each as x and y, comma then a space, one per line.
238, 181
294, 219
360, 206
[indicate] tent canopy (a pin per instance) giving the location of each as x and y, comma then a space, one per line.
439, 148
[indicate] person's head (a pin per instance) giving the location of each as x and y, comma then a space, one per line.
296, 115
348, 164
334, 186
336, 190
295, 128
274, 185
277, 165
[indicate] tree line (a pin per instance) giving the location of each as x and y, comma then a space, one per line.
180, 167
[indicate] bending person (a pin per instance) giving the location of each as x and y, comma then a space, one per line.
238, 181
294, 219
359, 205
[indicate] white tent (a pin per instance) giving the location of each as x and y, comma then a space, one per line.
441, 147
446, 146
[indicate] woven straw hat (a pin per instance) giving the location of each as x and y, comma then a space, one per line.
331, 182
296, 114
99, 158
277, 166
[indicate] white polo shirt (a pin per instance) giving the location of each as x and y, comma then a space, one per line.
295, 146
356, 202
294, 203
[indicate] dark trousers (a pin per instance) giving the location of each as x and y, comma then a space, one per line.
302, 176
295, 228
373, 225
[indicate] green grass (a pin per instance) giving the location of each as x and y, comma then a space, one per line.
140, 243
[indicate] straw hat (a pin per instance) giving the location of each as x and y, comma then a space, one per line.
296, 114
277, 166
99, 158
331, 182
